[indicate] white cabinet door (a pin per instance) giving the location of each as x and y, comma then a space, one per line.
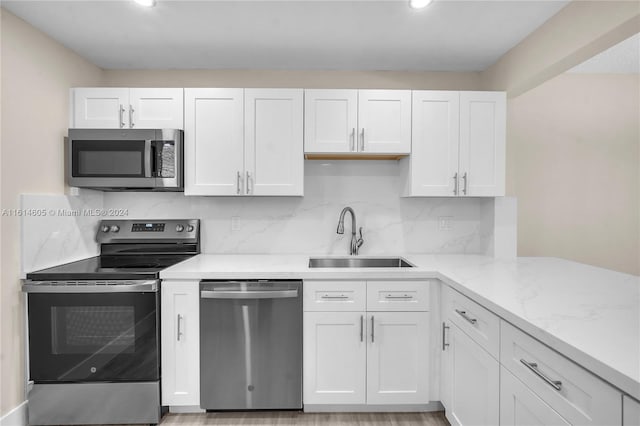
180, 325
274, 159
482, 143
398, 358
214, 141
434, 146
384, 119
151, 108
473, 381
519, 406
330, 120
631, 411
100, 108
334, 358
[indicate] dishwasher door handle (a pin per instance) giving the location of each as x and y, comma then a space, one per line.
239, 294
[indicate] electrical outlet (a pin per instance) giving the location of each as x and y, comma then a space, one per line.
235, 223
444, 223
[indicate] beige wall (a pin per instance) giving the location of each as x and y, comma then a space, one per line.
302, 79
574, 144
36, 75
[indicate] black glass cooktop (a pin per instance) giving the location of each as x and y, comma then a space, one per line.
110, 268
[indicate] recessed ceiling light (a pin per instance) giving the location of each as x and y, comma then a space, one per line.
148, 3
419, 4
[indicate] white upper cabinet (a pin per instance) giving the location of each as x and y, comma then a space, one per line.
331, 120
156, 108
458, 144
244, 142
124, 108
384, 117
214, 141
358, 121
482, 143
274, 159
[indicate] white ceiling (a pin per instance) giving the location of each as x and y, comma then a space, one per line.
449, 35
623, 58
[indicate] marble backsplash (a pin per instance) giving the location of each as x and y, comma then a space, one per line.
58, 229
308, 224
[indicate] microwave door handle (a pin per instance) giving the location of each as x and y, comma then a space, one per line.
147, 159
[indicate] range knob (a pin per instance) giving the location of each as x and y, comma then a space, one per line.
190, 228
115, 228
179, 228
105, 228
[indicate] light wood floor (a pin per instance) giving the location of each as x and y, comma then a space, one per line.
289, 418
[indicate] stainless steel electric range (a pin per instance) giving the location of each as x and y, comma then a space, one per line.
93, 326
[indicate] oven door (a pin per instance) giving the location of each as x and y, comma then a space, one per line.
93, 336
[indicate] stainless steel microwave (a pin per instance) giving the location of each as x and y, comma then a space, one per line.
125, 159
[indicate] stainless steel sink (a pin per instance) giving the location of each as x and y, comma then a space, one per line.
359, 262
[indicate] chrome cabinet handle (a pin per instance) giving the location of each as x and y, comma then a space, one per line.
248, 183
342, 296
444, 342
131, 110
464, 315
556, 384
362, 141
121, 116
373, 330
352, 139
455, 184
464, 188
238, 183
406, 296
362, 328
180, 333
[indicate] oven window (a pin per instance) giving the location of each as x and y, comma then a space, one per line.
91, 329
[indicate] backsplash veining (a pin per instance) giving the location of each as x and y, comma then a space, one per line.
308, 224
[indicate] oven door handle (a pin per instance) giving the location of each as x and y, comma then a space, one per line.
149, 286
234, 294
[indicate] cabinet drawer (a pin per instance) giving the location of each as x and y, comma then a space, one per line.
397, 296
334, 295
573, 392
479, 323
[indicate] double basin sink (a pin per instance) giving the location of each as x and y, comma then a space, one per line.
359, 262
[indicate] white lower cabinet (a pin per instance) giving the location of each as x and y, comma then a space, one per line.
520, 406
470, 380
397, 358
334, 358
180, 325
364, 357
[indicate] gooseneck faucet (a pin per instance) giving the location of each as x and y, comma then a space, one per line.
355, 242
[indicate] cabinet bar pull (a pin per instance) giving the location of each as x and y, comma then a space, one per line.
362, 328
556, 384
464, 188
444, 343
131, 124
373, 328
248, 182
455, 184
463, 314
179, 322
121, 116
342, 296
352, 139
362, 141
238, 183
406, 296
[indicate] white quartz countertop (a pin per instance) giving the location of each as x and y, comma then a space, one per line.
591, 315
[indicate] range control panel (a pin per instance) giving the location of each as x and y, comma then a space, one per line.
185, 230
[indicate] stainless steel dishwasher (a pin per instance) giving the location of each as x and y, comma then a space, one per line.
250, 345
